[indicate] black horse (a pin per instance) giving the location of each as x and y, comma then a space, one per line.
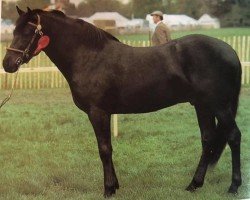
107, 77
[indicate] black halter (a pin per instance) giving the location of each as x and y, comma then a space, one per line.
26, 52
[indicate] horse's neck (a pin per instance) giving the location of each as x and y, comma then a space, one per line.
62, 44
66, 49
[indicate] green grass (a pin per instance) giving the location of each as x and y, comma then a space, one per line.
48, 151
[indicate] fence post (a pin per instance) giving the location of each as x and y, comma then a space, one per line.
20, 81
239, 44
242, 58
5, 81
38, 73
234, 42
25, 82
115, 124
248, 74
248, 59
243, 74
30, 86
243, 51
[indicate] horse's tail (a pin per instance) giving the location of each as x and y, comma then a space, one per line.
235, 100
222, 136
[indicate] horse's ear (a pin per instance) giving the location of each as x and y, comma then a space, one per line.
28, 10
20, 12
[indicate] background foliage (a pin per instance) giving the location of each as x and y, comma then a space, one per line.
230, 12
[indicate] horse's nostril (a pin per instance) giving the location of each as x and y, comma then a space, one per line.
19, 61
9, 66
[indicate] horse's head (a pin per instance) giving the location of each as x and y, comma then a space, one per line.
26, 41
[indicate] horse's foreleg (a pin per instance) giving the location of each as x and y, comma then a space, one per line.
207, 127
100, 121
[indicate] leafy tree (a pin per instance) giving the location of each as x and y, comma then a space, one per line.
219, 8
193, 8
9, 8
9, 11
70, 9
231, 12
141, 8
89, 7
33, 4
239, 14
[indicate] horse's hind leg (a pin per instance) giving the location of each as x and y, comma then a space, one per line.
101, 123
225, 117
207, 126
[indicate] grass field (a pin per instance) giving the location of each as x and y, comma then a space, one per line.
48, 151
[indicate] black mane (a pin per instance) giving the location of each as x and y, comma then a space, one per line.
58, 13
95, 36
90, 35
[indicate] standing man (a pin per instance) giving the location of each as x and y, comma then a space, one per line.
161, 34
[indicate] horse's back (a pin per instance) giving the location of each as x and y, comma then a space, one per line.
188, 69
138, 80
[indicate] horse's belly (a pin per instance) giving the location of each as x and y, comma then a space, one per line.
142, 107
151, 99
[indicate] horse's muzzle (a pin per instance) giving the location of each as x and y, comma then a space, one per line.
11, 65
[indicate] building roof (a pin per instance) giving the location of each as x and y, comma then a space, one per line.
120, 20
207, 18
175, 20
179, 20
7, 26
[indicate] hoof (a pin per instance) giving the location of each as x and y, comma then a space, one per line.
193, 186
233, 190
109, 193
110, 190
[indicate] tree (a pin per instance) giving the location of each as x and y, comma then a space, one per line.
193, 8
9, 8
142, 8
9, 11
70, 9
89, 7
219, 8
41, 4
239, 14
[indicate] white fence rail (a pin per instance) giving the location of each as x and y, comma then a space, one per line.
50, 77
245, 79
41, 72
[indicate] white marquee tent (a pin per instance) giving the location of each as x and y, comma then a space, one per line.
182, 22
121, 21
6, 26
176, 22
207, 21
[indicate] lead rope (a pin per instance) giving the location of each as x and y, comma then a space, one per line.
11, 92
